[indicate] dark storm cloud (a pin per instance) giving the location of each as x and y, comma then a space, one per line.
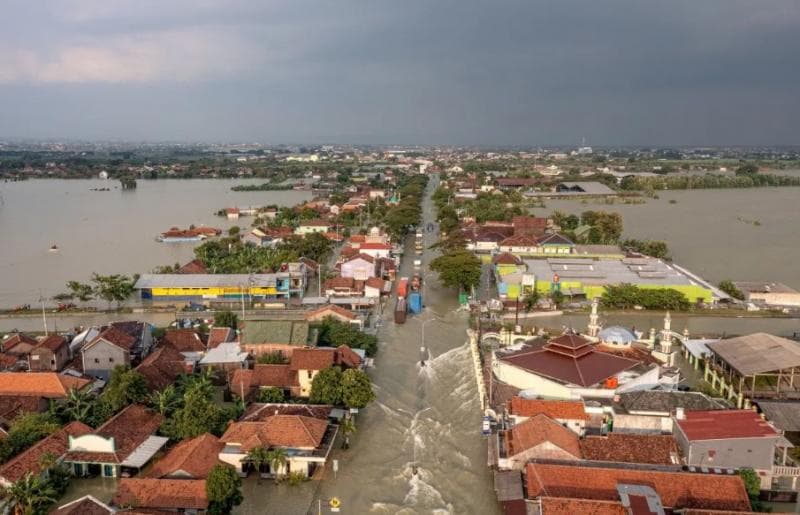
526, 72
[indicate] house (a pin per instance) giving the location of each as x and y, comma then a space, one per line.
86, 505
52, 353
246, 383
360, 267
336, 312
194, 266
570, 414
190, 459
730, 439
666, 491
217, 335
570, 366
537, 437
652, 411
533, 226
263, 336
307, 362
343, 287
232, 213
163, 367
307, 441
312, 226
163, 495
31, 392
374, 287
227, 356
124, 443
187, 342
631, 448
29, 460
111, 348
375, 250
19, 345
584, 188
769, 294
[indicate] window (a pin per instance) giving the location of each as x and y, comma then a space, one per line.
111, 360
309, 373
97, 360
108, 470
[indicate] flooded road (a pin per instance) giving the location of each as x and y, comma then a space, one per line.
426, 419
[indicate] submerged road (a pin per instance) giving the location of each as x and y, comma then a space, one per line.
425, 420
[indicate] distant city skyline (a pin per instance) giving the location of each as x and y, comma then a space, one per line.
516, 73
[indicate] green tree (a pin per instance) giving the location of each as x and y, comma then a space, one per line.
356, 389
78, 405
270, 394
224, 490
326, 387
272, 358
226, 318
81, 291
258, 456
334, 333
26, 430
125, 386
460, 269
31, 495
529, 300
277, 461
728, 287
113, 288
348, 427
198, 415
164, 401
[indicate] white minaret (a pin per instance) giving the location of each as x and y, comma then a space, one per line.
666, 334
594, 322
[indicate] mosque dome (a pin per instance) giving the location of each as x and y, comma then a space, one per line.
616, 335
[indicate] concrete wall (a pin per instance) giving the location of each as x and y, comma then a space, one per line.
642, 424
755, 453
100, 359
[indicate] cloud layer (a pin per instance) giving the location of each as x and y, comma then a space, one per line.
511, 72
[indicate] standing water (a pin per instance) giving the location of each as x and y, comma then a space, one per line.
418, 448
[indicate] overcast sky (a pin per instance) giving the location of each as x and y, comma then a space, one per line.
693, 72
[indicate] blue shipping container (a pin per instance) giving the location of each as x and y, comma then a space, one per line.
415, 302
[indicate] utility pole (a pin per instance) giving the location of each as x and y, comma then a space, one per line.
319, 280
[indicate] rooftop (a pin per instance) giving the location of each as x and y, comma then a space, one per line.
130, 429
666, 402
631, 448
147, 281
724, 424
86, 505
294, 431
758, 353
39, 384
288, 332
184, 340
192, 458
677, 490
29, 459
555, 409
169, 494
541, 429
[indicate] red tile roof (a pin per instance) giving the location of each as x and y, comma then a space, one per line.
375, 246
315, 223
16, 339
52, 342
519, 240
375, 282
677, 490
540, 429
631, 448
724, 424
163, 367
558, 506
312, 359
259, 411
86, 505
116, 337
29, 459
129, 428
331, 309
50, 385
345, 356
361, 255
184, 340
161, 493
262, 375
555, 409
194, 266
190, 458
506, 258
219, 335
570, 359
277, 431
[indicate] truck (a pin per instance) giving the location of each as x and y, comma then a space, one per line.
418, 244
402, 288
415, 302
400, 310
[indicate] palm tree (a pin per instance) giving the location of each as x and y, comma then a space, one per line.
277, 459
259, 457
78, 405
30, 493
164, 401
348, 428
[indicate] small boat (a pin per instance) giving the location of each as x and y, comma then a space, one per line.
54, 248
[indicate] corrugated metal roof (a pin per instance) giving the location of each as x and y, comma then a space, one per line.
145, 452
758, 353
208, 280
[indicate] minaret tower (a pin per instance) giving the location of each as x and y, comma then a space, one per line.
666, 334
594, 320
